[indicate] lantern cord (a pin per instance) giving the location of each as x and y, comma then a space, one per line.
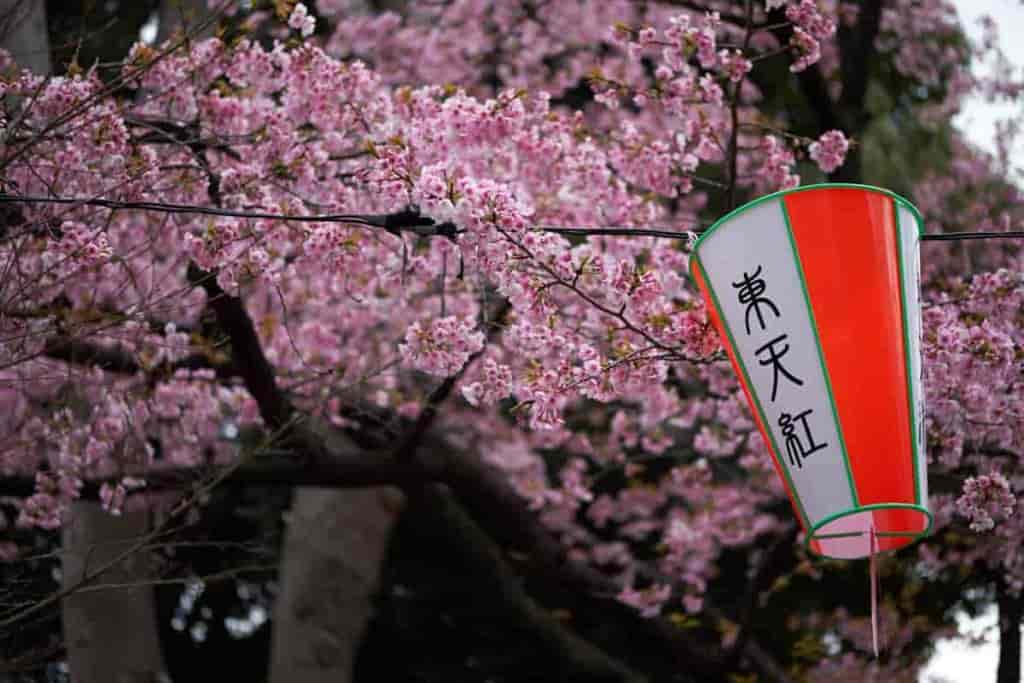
873, 571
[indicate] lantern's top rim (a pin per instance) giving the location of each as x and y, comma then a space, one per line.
817, 186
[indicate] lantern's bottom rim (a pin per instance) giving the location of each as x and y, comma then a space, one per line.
848, 529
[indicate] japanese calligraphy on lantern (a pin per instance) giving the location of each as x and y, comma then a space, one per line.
799, 444
761, 301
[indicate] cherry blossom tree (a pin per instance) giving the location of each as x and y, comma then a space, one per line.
442, 248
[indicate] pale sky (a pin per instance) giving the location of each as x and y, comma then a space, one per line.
958, 660
955, 660
979, 117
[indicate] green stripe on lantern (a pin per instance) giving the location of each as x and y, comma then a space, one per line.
911, 408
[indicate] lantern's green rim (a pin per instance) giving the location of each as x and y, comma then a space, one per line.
913, 535
819, 186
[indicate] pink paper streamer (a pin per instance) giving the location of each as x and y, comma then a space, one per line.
874, 592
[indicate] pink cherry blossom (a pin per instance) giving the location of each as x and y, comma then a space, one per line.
829, 151
301, 21
442, 346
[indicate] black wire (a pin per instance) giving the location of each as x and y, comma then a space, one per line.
625, 232
182, 208
954, 236
411, 219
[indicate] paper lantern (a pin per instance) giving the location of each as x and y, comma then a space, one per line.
816, 295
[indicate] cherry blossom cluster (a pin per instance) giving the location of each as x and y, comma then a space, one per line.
810, 27
829, 151
494, 384
108, 431
442, 347
301, 21
776, 171
986, 499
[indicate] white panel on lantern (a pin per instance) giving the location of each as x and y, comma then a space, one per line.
910, 253
755, 245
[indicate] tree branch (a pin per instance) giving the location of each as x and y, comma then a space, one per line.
407, 450
857, 45
581, 659
811, 80
774, 562
734, 115
328, 468
117, 360
246, 351
1011, 610
857, 49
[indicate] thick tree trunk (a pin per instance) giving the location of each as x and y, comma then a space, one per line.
110, 633
1011, 609
333, 552
23, 33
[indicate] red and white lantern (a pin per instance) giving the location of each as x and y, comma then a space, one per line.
815, 293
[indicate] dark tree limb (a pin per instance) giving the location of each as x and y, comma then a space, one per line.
339, 469
172, 132
580, 659
246, 350
489, 498
1011, 610
115, 359
857, 46
415, 433
694, 6
811, 80
857, 49
775, 561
